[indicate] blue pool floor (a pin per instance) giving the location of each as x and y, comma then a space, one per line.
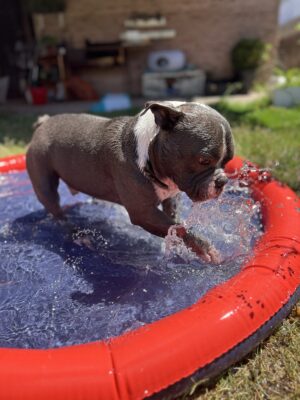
56, 291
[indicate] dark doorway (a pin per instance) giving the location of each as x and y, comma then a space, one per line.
14, 29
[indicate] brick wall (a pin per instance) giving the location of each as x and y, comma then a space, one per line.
289, 51
206, 29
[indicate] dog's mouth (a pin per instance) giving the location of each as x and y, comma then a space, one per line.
205, 195
205, 186
207, 190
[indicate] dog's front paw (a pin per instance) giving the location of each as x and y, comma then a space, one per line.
198, 245
83, 239
212, 255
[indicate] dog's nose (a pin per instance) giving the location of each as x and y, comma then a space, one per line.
220, 181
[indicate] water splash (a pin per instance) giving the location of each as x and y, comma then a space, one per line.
229, 223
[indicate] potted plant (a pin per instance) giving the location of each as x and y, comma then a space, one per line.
287, 89
247, 55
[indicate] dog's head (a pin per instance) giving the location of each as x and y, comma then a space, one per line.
192, 144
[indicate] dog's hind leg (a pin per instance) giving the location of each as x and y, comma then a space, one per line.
45, 188
45, 184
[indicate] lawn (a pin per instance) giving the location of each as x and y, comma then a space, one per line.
271, 137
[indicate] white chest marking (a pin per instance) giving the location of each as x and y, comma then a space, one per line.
145, 130
164, 194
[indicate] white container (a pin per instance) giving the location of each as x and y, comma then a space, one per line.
4, 83
286, 97
136, 36
140, 23
166, 60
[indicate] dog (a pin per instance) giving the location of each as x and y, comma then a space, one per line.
139, 162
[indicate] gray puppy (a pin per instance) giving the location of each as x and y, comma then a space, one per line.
139, 162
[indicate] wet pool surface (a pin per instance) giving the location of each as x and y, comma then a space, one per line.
55, 290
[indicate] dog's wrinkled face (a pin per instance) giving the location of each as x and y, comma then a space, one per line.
192, 146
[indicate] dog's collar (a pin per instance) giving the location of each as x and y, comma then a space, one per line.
150, 174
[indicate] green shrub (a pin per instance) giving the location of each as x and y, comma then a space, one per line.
248, 54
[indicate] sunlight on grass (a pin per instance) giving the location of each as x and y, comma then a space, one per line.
275, 118
272, 149
268, 136
9, 147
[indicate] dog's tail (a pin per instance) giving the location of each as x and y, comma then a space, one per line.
40, 121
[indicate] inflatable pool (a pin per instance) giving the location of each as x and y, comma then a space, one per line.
162, 358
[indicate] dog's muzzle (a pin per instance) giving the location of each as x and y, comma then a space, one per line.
208, 187
220, 180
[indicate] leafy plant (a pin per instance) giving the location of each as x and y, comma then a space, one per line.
248, 54
288, 78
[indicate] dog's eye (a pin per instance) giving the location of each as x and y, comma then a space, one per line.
204, 161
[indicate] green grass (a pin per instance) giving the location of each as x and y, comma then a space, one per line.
278, 150
270, 137
275, 118
260, 113
272, 371
15, 133
236, 112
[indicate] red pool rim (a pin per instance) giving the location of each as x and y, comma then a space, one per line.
152, 358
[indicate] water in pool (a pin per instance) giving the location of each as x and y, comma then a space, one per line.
55, 290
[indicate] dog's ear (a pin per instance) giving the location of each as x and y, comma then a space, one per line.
229, 144
165, 117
